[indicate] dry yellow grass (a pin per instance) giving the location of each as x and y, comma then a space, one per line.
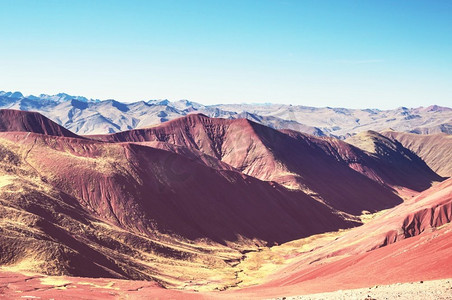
257, 266
55, 281
110, 285
23, 266
6, 180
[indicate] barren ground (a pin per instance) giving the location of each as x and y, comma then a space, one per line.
435, 289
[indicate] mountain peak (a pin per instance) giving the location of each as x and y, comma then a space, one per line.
436, 108
158, 102
11, 94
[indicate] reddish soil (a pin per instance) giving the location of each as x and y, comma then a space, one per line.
20, 286
16, 120
424, 257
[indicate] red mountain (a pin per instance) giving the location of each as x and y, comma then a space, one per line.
148, 189
16, 120
334, 172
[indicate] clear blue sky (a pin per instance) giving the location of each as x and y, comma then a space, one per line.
380, 54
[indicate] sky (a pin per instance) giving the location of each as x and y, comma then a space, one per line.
356, 54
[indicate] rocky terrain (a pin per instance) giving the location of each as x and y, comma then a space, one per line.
225, 208
434, 289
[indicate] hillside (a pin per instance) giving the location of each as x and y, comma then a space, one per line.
433, 149
295, 160
391, 162
309, 265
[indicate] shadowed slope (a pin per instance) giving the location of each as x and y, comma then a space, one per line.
388, 161
16, 120
146, 189
46, 231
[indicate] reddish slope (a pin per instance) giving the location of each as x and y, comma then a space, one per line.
406, 247
20, 286
432, 208
193, 155
146, 189
424, 257
16, 120
434, 149
269, 154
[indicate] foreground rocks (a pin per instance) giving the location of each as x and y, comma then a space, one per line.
435, 289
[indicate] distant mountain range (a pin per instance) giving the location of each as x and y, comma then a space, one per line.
85, 116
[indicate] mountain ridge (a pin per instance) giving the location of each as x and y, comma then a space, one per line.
89, 116
287, 156
16, 120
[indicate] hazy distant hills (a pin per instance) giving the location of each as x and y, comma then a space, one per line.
88, 116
